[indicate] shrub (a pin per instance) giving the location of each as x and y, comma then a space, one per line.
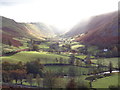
107, 75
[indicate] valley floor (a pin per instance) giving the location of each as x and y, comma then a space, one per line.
50, 63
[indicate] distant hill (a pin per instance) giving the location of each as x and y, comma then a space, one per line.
11, 29
101, 30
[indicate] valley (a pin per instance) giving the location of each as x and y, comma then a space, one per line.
34, 55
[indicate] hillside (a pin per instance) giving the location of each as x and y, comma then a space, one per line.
12, 29
101, 30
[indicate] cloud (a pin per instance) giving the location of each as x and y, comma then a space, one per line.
12, 2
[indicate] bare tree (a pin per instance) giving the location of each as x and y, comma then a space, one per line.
110, 66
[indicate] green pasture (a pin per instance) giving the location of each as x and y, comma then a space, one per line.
26, 56
106, 61
107, 81
65, 69
76, 46
83, 56
43, 46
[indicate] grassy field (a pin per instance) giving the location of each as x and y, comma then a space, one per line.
26, 56
76, 46
106, 81
75, 43
83, 56
43, 46
105, 61
65, 69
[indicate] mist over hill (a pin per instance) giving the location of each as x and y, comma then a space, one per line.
100, 30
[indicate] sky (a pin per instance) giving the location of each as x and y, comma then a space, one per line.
63, 14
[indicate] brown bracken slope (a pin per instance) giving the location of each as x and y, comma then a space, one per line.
101, 30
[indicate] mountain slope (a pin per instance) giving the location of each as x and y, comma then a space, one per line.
101, 30
11, 29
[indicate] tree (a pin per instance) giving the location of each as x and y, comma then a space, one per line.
72, 59
15, 71
88, 61
14, 75
29, 79
35, 47
95, 71
61, 60
6, 76
78, 63
17, 75
71, 85
99, 65
10, 66
72, 71
66, 47
34, 67
22, 75
80, 50
49, 80
90, 83
54, 47
56, 60
59, 50
38, 80
115, 51
20, 65
6, 66
110, 66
